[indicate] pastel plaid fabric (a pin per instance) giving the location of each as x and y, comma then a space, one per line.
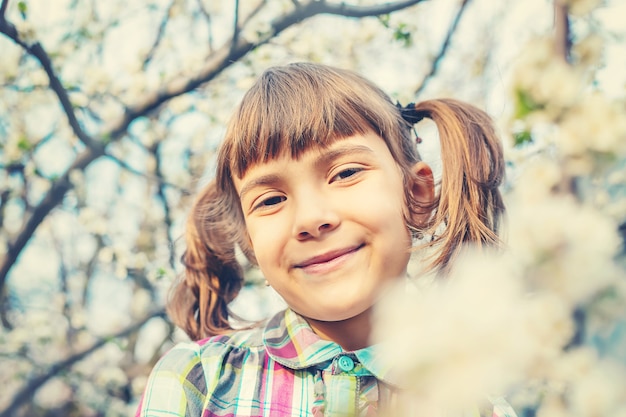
284, 369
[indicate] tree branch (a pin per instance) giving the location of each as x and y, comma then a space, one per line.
209, 21
236, 28
434, 67
157, 179
3, 8
229, 53
26, 393
52, 199
166, 208
562, 38
37, 51
346, 10
221, 59
159, 37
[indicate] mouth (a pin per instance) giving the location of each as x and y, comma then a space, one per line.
328, 260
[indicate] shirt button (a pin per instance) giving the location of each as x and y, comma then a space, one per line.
345, 363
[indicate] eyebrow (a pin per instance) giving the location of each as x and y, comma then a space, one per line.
260, 181
327, 157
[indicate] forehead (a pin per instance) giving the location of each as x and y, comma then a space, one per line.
364, 148
357, 144
267, 147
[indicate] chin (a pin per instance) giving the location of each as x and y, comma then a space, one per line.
342, 314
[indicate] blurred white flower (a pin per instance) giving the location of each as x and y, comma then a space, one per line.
94, 222
558, 85
138, 260
580, 7
617, 177
589, 50
53, 394
77, 177
474, 335
26, 30
138, 384
96, 80
79, 99
537, 180
111, 377
180, 104
567, 248
142, 302
257, 30
552, 406
595, 124
533, 57
598, 392
9, 64
120, 271
105, 255
38, 77
109, 111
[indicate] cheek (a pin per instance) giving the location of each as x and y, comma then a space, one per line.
266, 239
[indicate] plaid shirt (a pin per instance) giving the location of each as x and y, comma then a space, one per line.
284, 369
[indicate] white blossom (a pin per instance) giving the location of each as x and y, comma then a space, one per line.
111, 377
180, 104
142, 302
94, 222
26, 30
580, 7
537, 180
475, 335
600, 391
589, 50
568, 248
594, 124
9, 62
53, 394
95, 80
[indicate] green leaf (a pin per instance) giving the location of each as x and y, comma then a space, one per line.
403, 35
384, 19
522, 138
525, 104
23, 144
21, 6
161, 272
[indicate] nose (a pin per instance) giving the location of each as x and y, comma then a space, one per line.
314, 217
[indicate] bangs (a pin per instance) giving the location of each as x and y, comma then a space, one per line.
292, 109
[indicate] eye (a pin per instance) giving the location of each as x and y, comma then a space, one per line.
270, 201
347, 173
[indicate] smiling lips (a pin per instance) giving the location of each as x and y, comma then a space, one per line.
328, 261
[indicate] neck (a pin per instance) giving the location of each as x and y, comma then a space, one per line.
351, 334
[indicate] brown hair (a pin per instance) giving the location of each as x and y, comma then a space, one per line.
299, 106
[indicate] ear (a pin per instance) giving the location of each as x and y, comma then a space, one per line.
422, 192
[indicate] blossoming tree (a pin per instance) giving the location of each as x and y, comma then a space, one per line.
110, 115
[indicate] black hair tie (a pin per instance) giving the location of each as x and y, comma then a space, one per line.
412, 116
409, 113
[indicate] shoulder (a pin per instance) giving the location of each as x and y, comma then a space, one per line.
184, 355
181, 380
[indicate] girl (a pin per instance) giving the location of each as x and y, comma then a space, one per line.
319, 184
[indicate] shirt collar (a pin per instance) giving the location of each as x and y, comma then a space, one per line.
290, 341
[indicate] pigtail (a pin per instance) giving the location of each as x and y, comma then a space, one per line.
469, 206
212, 277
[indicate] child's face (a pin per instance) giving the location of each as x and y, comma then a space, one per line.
328, 230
